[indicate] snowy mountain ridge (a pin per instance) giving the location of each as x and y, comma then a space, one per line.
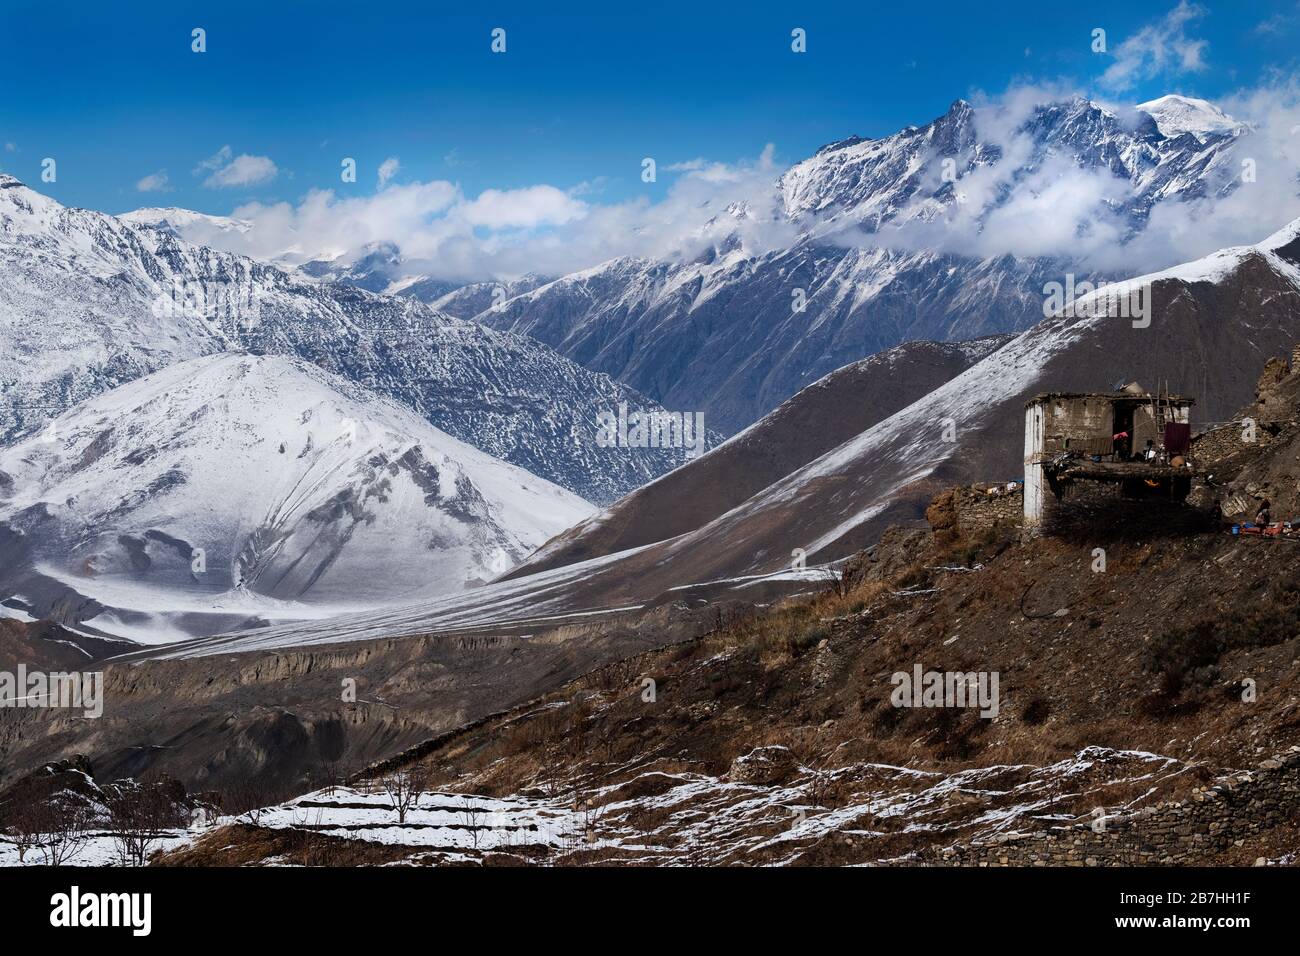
234, 485
90, 301
736, 332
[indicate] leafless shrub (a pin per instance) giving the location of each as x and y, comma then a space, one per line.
613, 676
20, 827
590, 818
139, 815
61, 825
248, 799
821, 787
851, 575
403, 788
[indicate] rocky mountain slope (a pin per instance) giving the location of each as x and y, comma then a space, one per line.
1212, 325
819, 418
1144, 714
89, 301
1151, 696
234, 488
775, 738
722, 335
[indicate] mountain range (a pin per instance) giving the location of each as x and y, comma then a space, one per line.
90, 301
721, 331
1213, 324
734, 325
837, 403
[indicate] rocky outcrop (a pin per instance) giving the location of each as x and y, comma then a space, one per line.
1178, 833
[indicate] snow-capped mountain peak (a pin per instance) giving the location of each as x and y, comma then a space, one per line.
1176, 114
186, 223
747, 349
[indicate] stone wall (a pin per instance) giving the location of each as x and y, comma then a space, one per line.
1180, 833
1219, 442
978, 511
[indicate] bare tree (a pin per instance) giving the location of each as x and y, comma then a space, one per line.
19, 825
330, 777
471, 811
249, 798
403, 788
139, 814
62, 827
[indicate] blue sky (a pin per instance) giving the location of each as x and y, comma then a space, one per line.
116, 95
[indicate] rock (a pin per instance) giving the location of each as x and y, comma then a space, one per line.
764, 766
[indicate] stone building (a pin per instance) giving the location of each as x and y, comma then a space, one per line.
1099, 445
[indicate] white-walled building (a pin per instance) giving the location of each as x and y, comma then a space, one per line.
1132, 440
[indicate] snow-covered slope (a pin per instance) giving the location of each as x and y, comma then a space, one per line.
1176, 114
721, 334
89, 301
236, 484
468, 301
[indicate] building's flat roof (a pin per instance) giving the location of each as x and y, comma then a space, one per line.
1113, 397
1120, 470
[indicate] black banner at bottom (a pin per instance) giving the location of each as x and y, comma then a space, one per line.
339, 905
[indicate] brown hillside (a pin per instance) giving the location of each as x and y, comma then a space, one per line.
820, 417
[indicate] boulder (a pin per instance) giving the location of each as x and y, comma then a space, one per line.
764, 766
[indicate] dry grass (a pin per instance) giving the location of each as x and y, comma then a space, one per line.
812, 674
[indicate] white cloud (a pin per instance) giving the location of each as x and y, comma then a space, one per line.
387, 170
1162, 48
215, 161
507, 232
154, 183
714, 172
11, 147
242, 170
521, 208
1279, 22
1023, 205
